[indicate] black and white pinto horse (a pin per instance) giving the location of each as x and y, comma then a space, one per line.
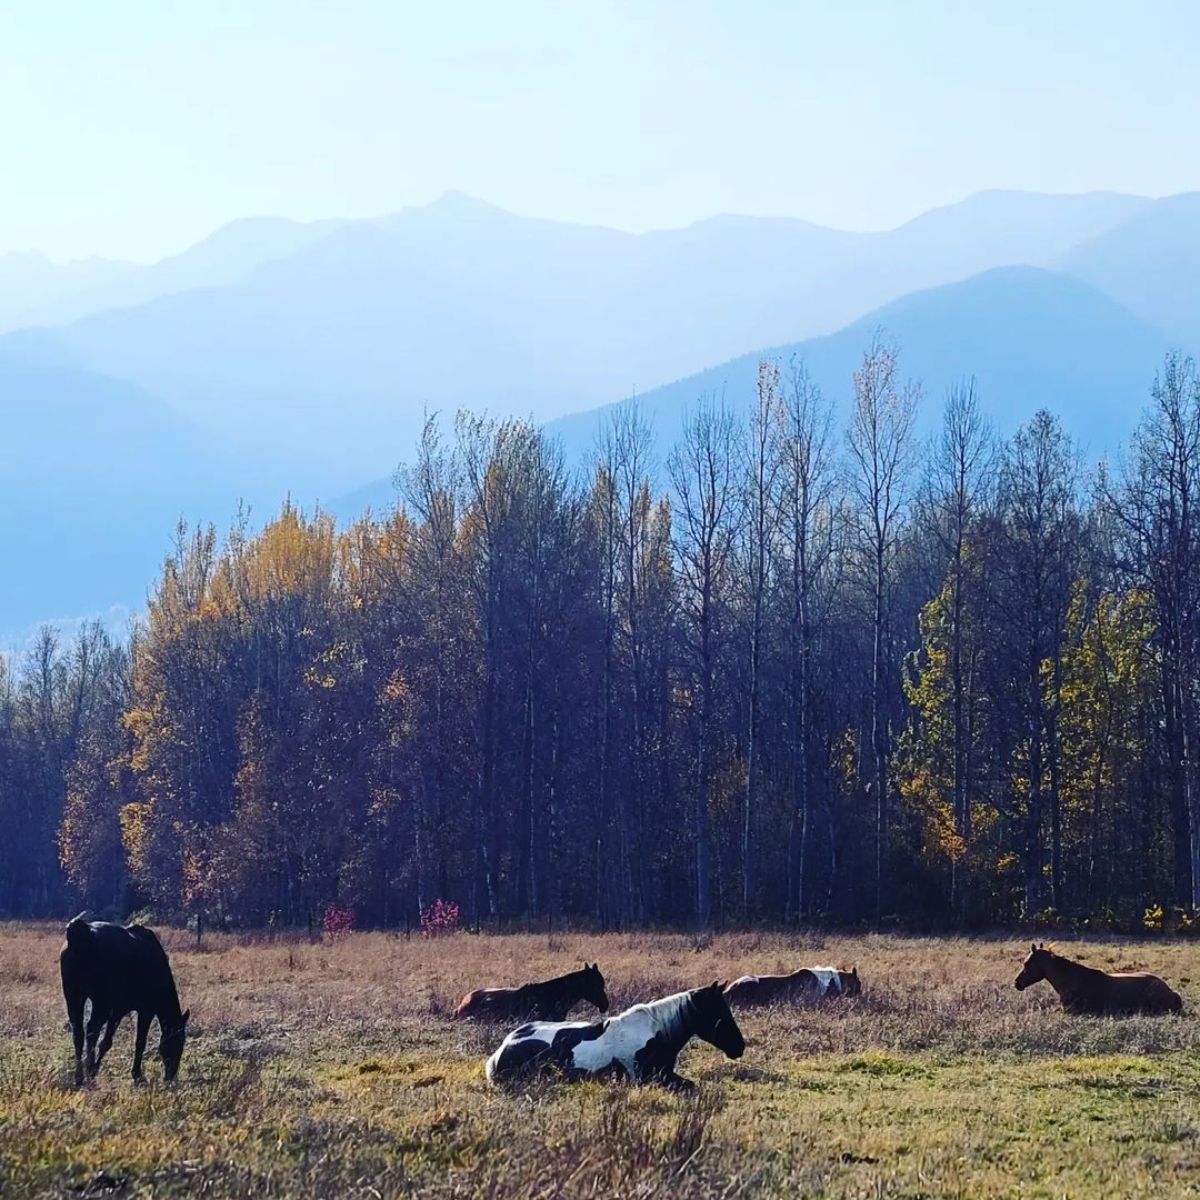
641, 1044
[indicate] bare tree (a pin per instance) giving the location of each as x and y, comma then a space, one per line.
494, 465
704, 476
806, 523
959, 479
762, 511
881, 448
429, 489
1041, 529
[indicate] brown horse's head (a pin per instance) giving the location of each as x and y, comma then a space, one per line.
1033, 970
593, 986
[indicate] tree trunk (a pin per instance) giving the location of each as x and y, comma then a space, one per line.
879, 739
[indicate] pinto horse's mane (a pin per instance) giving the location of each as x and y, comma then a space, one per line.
668, 1013
658, 1008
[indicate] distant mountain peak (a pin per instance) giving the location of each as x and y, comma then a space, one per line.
461, 204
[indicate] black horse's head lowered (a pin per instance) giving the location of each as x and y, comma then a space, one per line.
170, 1044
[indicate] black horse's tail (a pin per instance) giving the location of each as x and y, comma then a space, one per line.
79, 933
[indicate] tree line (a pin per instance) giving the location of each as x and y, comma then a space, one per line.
798, 670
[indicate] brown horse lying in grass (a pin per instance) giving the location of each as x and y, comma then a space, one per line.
805, 984
1085, 990
548, 1001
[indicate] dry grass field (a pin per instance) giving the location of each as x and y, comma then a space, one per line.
333, 1070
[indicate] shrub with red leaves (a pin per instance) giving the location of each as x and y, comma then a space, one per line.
441, 917
338, 922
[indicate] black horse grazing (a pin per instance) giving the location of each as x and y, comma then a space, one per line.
120, 969
642, 1044
548, 1001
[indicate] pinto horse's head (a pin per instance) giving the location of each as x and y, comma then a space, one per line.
170, 1045
714, 1021
851, 984
593, 986
1034, 968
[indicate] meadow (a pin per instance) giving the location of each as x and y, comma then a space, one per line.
333, 1070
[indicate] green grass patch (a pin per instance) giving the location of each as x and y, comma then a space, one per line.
880, 1063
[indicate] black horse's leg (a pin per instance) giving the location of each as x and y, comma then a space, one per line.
107, 1040
139, 1044
75, 1003
95, 1024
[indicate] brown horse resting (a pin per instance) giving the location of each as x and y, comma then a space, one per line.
120, 969
1087, 991
547, 1001
808, 983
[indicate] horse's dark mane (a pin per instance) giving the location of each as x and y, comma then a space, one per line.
568, 977
170, 1009
547, 985
1077, 967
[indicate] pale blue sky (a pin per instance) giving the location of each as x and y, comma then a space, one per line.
132, 127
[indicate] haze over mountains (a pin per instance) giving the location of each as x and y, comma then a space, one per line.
276, 357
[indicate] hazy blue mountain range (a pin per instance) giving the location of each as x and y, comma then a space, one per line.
276, 357
31, 284
324, 357
1149, 263
1031, 338
36, 291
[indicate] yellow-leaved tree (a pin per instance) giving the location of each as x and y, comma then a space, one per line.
1108, 679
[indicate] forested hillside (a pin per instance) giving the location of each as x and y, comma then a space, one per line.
828, 672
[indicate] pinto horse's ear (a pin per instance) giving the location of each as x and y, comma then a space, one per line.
1033, 947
